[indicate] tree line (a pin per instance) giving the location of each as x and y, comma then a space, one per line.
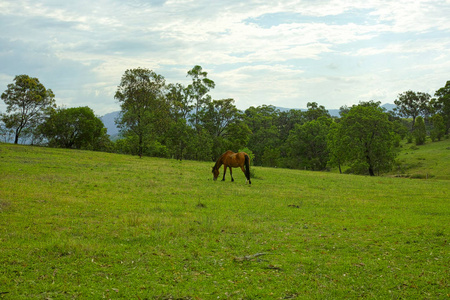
183, 122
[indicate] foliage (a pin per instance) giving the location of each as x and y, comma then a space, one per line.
144, 115
179, 138
262, 122
184, 122
224, 123
441, 105
198, 90
335, 147
76, 128
419, 132
412, 104
89, 225
364, 138
308, 145
285, 121
27, 103
271, 157
315, 111
438, 131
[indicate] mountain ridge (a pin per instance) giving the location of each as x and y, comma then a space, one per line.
109, 118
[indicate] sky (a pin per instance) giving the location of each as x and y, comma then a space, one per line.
281, 53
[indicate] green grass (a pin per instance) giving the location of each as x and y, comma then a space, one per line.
80, 225
431, 160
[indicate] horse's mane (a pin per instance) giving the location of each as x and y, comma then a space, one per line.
219, 161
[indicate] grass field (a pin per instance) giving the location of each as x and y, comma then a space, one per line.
90, 225
431, 160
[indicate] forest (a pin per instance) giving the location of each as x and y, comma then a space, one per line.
170, 120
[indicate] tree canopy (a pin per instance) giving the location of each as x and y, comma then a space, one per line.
27, 103
141, 97
76, 127
412, 104
365, 139
185, 122
441, 104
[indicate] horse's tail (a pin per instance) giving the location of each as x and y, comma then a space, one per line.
247, 168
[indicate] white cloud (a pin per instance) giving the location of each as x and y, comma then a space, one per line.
286, 53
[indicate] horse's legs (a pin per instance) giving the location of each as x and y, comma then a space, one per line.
224, 172
243, 170
231, 174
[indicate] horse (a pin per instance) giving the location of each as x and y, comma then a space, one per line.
232, 160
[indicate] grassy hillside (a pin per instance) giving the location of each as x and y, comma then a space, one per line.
77, 224
431, 160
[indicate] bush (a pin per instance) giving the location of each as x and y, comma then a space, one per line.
419, 132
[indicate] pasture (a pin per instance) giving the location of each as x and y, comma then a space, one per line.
80, 225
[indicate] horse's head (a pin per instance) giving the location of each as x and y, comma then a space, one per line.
215, 172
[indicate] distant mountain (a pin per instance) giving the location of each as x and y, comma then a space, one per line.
335, 112
109, 122
389, 106
113, 130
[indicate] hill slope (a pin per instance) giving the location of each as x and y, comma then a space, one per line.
431, 160
79, 224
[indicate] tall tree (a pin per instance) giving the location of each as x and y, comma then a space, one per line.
225, 124
180, 133
315, 111
199, 89
336, 150
75, 127
308, 144
365, 140
27, 103
145, 112
442, 104
438, 130
420, 131
265, 134
179, 101
412, 104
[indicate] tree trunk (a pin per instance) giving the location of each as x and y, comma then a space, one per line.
140, 147
16, 138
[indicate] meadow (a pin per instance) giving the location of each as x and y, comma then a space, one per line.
431, 160
92, 225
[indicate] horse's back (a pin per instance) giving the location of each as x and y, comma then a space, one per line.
235, 159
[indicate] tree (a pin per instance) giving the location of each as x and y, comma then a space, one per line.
145, 113
412, 104
179, 135
315, 111
179, 101
286, 121
335, 146
308, 144
199, 88
262, 122
28, 102
442, 104
76, 127
224, 123
365, 140
420, 132
438, 131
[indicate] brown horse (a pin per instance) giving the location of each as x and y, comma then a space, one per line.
232, 160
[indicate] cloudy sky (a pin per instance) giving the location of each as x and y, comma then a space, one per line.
282, 53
